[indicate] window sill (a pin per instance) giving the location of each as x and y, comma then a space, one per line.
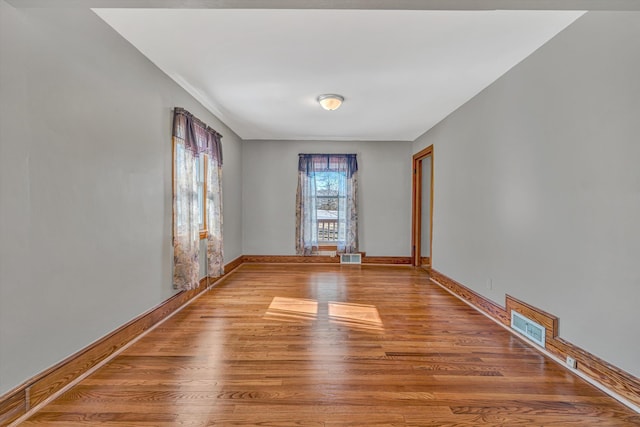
328, 247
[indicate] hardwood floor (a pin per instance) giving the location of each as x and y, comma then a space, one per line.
325, 345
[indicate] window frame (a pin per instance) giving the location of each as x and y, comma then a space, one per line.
329, 245
204, 232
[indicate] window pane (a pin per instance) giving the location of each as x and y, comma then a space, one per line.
178, 170
328, 200
327, 203
200, 170
201, 204
327, 183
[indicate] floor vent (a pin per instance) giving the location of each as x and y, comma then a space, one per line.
527, 327
350, 258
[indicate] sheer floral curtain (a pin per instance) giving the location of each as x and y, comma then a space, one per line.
192, 138
345, 166
215, 264
306, 211
185, 208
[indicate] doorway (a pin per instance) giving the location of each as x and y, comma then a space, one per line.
422, 209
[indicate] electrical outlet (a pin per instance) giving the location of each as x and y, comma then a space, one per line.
571, 362
489, 283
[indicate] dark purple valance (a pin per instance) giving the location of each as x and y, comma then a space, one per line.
197, 135
310, 163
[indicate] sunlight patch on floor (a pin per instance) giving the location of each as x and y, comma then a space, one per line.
359, 316
282, 308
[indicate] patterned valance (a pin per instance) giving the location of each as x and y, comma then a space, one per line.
196, 135
309, 163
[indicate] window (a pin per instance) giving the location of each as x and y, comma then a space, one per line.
197, 200
326, 214
201, 174
328, 202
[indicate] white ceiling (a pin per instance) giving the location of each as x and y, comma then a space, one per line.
400, 71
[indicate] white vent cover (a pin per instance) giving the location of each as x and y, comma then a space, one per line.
350, 259
527, 327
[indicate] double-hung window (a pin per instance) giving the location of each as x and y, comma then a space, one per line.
197, 199
326, 203
329, 200
201, 174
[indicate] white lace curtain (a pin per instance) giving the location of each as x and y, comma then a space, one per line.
192, 138
309, 167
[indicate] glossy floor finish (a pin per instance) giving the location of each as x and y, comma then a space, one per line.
325, 345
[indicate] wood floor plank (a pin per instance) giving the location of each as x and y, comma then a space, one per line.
331, 345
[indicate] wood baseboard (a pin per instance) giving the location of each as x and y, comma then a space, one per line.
299, 259
290, 259
32, 392
477, 300
393, 260
610, 377
232, 265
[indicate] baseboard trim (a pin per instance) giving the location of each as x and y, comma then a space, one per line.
18, 401
487, 306
619, 384
290, 259
299, 259
232, 265
387, 260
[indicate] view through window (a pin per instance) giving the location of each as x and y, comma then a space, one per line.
201, 174
326, 211
329, 201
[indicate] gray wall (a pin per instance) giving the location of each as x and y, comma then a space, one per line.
537, 186
269, 194
85, 185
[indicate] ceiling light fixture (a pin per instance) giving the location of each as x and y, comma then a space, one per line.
330, 101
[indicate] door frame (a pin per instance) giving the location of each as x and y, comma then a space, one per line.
416, 210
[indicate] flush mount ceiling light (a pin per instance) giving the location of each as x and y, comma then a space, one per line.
330, 101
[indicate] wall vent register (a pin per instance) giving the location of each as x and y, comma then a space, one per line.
527, 327
350, 258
